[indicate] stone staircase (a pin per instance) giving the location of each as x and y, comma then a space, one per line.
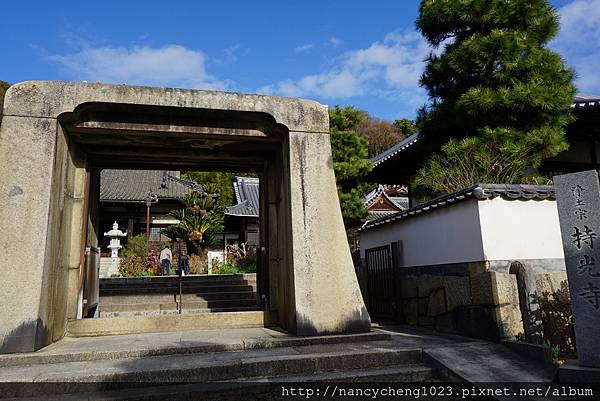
159, 295
253, 368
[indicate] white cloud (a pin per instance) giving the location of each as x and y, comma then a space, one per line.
333, 41
579, 41
170, 65
304, 48
231, 54
393, 65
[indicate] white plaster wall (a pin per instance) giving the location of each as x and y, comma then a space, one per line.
520, 229
450, 234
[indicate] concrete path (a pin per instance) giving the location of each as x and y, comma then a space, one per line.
395, 353
458, 358
79, 349
470, 360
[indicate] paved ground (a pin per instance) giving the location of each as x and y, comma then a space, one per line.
459, 357
471, 360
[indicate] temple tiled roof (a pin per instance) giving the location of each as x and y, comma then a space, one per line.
133, 185
399, 147
580, 101
583, 100
247, 198
478, 191
384, 190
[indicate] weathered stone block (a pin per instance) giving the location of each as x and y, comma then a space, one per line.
408, 287
505, 289
478, 267
423, 305
508, 319
549, 282
481, 289
428, 284
437, 302
477, 321
493, 288
458, 292
410, 308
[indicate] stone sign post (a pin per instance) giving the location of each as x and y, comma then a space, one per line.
578, 201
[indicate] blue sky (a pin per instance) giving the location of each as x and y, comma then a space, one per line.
366, 54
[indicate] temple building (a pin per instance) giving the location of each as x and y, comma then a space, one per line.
243, 217
123, 196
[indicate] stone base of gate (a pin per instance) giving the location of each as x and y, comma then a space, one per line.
152, 324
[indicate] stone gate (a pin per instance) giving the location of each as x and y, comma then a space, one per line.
56, 137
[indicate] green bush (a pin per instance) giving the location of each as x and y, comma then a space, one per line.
557, 321
226, 268
137, 246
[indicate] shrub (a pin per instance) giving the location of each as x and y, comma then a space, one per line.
557, 321
199, 263
137, 246
152, 264
226, 268
242, 256
133, 265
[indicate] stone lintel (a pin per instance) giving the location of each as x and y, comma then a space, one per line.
52, 98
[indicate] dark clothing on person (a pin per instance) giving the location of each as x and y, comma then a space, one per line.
183, 265
165, 266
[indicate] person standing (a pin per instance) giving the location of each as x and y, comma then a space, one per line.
166, 257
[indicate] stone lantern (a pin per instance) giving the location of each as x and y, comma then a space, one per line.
115, 244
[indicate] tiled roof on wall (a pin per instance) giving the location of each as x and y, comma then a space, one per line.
478, 191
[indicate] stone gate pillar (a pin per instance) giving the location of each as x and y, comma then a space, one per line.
322, 264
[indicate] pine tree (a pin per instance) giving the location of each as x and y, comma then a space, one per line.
492, 78
349, 151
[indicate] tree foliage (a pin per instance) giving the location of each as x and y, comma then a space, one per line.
491, 158
213, 181
380, 134
405, 126
350, 163
495, 82
198, 221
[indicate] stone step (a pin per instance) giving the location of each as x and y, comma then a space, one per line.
201, 289
158, 298
175, 284
174, 311
176, 322
256, 388
173, 305
195, 342
73, 377
192, 278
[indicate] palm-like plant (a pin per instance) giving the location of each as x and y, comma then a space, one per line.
197, 221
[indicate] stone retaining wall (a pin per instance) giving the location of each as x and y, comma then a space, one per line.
480, 303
